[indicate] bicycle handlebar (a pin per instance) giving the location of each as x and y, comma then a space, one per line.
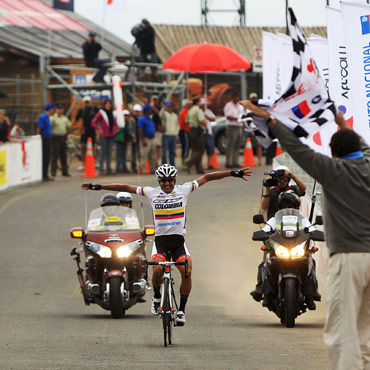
168, 263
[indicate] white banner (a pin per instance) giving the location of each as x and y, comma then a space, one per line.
319, 48
356, 25
285, 60
270, 67
118, 101
114, 6
20, 163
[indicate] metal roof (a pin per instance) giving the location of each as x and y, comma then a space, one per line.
34, 27
170, 38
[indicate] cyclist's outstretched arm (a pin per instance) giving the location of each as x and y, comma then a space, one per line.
243, 173
113, 187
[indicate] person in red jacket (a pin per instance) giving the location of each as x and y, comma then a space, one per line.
184, 128
106, 126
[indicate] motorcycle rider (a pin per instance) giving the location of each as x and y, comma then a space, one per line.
269, 200
168, 201
125, 199
287, 200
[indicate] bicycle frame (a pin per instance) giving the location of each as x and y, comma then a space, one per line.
168, 300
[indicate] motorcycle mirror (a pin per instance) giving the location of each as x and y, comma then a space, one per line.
319, 220
149, 230
77, 233
258, 219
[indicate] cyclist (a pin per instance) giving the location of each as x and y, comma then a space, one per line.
168, 201
125, 199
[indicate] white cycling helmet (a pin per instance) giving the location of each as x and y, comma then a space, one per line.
125, 197
166, 171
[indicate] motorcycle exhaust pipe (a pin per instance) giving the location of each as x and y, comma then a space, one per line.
139, 287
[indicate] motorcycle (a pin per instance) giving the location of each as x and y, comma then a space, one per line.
288, 263
114, 246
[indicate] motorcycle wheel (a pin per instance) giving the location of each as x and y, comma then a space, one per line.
290, 303
116, 306
166, 319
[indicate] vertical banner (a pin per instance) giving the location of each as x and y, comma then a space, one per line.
63, 5
320, 51
118, 100
285, 60
356, 25
271, 75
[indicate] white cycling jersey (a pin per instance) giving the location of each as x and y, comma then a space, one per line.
169, 210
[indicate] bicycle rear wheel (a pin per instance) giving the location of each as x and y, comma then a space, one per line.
166, 316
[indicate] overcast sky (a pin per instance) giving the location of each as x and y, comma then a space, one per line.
187, 12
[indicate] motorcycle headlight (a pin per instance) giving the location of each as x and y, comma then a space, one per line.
298, 251
104, 252
282, 252
101, 250
127, 249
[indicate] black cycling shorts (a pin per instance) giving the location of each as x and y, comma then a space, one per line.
167, 246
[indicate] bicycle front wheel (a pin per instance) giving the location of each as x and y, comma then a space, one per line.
166, 315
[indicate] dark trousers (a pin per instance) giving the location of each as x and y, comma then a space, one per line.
270, 152
184, 140
197, 143
58, 151
134, 154
101, 64
121, 151
168, 145
46, 144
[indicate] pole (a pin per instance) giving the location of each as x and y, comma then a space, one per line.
313, 202
286, 17
243, 85
43, 78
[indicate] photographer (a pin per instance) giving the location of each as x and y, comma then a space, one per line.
276, 183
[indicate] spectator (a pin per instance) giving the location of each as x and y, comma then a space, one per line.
171, 129
184, 128
106, 125
253, 97
121, 139
44, 129
60, 127
345, 181
145, 40
137, 110
4, 127
197, 123
16, 132
147, 145
87, 113
91, 49
232, 111
208, 134
156, 105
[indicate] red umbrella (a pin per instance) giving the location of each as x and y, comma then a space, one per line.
206, 58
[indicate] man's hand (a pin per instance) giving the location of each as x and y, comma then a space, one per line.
242, 173
340, 121
89, 185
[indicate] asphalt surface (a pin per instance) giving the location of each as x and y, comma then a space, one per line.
44, 323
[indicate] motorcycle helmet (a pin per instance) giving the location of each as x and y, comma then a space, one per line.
166, 171
125, 198
109, 199
289, 199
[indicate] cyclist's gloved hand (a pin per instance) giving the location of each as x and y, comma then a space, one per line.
237, 173
94, 186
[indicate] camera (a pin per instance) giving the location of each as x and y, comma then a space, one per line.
274, 174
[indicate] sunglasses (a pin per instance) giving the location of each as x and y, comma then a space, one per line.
163, 181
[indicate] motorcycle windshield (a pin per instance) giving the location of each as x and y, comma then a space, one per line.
289, 222
113, 218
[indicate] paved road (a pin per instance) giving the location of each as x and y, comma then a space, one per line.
45, 325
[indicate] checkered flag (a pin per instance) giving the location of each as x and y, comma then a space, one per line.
305, 106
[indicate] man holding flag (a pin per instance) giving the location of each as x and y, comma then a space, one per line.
345, 180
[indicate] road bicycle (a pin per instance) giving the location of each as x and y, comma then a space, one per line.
168, 306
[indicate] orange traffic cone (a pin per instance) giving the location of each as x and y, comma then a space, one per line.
248, 154
89, 161
214, 162
278, 149
147, 167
